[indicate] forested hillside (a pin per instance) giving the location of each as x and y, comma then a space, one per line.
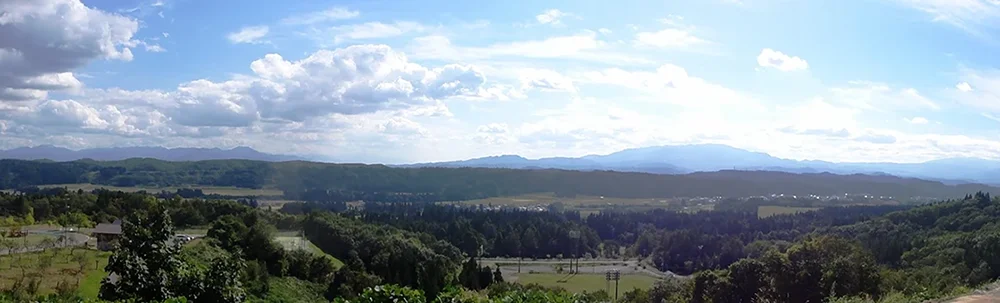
351, 182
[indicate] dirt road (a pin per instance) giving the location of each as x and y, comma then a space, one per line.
989, 295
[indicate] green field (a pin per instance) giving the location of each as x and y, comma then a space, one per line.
208, 190
587, 205
765, 211
61, 267
295, 242
586, 282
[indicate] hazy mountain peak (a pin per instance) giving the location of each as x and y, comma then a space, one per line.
54, 153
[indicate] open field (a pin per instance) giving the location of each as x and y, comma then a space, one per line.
587, 282
220, 190
765, 211
541, 199
296, 242
586, 205
55, 266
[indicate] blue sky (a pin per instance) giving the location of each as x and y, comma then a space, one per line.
414, 81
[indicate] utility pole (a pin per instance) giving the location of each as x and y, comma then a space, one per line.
614, 275
575, 235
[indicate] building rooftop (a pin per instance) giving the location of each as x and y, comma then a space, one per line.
109, 228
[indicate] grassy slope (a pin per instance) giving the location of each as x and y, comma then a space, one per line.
289, 290
295, 242
63, 268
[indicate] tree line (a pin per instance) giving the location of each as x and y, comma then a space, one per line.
351, 182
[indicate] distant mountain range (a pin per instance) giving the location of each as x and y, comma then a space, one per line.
683, 159
49, 152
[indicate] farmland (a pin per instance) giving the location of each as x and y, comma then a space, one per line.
765, 211
208, 190
79, 272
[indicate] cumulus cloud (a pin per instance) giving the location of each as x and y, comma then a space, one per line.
46, 40
778, 60
249, 34
330, 14
360, 89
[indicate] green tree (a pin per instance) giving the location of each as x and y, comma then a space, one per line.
144, 265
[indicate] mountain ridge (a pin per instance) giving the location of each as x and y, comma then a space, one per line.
683, 159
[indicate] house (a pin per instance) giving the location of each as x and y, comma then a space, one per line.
107, 234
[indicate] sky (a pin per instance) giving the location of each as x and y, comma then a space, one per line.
382, 81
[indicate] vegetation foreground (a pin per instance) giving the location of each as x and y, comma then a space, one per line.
419, 252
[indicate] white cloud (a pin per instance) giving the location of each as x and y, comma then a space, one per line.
670, 84
493, 134
366, 90
667, 38
990, 116
374, 30
979, 89
964, 87
64, 35
877, 138
677, 35
976, 17
881, 97
249, 34
917, 120
583, 46
331, 14
545, 79
772, 58
552, 16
